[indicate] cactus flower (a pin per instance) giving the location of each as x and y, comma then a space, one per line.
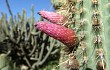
53, 17
65, 35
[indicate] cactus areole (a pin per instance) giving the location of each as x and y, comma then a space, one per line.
65, 35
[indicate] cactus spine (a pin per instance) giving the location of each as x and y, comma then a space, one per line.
92, 24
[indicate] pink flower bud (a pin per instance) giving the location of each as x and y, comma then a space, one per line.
65, 35
53, 17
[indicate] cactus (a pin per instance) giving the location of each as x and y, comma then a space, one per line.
33, 49
90, 18
28, 47
5, 62
1, 32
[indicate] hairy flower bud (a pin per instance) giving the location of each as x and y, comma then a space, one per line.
65, 35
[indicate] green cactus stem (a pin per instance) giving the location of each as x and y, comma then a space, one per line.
92, 19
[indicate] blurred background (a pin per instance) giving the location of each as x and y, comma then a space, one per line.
19, 5
22, 46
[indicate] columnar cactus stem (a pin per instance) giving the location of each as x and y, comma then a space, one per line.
94, 33
104, 8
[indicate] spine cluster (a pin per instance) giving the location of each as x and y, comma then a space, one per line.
98, 42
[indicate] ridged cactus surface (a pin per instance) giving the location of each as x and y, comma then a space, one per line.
83, 27
91, 20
